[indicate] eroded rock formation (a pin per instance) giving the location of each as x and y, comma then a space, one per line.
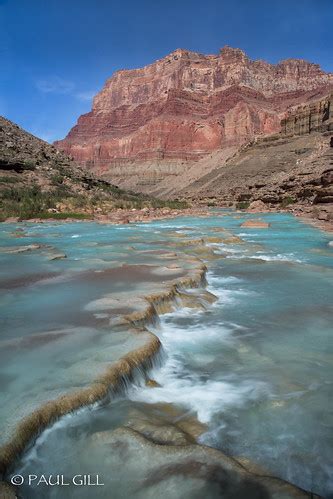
316, 116
149, 126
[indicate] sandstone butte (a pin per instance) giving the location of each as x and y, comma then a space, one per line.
149, 126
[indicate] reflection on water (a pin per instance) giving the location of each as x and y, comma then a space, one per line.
250, 375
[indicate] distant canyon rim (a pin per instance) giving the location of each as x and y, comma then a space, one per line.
212, 128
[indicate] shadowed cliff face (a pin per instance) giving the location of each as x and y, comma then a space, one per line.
185, 107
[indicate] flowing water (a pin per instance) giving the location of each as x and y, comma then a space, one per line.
253, 370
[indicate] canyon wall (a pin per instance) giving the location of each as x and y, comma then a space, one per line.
292, 168
166, 123
316, 116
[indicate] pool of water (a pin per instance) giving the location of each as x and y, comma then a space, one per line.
254, 369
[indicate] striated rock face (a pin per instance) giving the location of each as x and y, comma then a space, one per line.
316, 116
154, 121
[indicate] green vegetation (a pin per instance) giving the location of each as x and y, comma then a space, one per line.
242, 205
127, 199
29, 165
287, 201
8, 179
57, 179
33, 202
29, 202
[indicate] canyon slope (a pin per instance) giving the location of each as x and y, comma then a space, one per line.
39, 181
292, 166
162, 128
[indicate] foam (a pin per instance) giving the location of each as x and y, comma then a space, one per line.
288, 257
205, 398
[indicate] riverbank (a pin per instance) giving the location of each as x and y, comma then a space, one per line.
126, 216
320, 217
119, 216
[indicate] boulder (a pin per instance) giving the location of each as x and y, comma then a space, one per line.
257, 206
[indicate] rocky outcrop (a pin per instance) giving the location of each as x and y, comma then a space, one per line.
316, 116
273, 173
150, 126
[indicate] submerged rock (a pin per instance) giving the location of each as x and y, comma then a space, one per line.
57, 256
233, 240
182, 471
21, 249
214, 239
255, 224
160, 432
151, 383
7, 491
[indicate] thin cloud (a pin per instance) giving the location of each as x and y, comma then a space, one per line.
86, 96
55, 85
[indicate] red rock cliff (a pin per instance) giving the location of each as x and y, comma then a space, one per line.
185, 106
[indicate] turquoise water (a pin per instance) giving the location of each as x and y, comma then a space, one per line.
59, 317
255, 367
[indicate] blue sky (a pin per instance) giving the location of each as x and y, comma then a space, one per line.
56, 54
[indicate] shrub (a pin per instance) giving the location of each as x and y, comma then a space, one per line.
29, 165
57, 179
7, 179
287, 201
242, 205
29, 202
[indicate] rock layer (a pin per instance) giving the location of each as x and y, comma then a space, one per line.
156, 121
317, 116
